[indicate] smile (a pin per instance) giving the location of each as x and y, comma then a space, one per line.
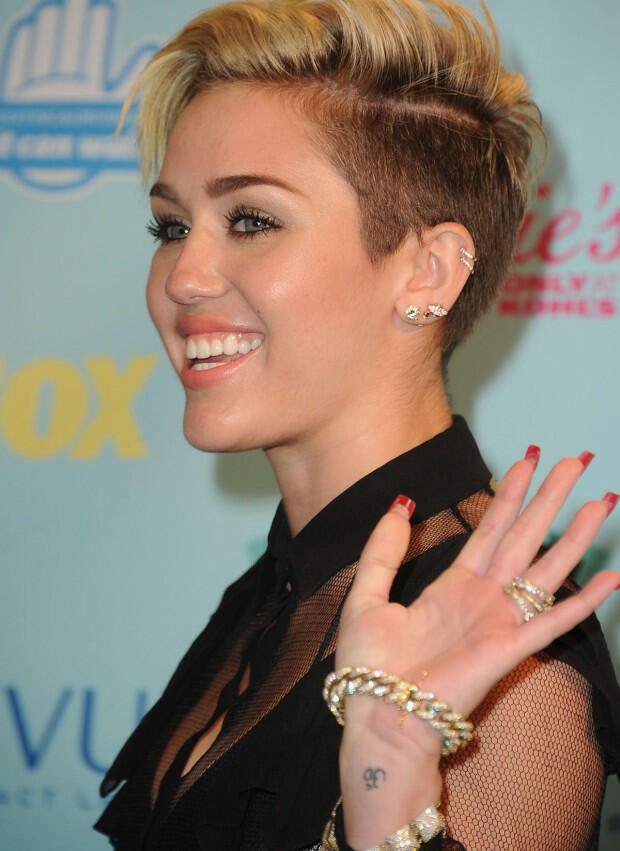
209, 351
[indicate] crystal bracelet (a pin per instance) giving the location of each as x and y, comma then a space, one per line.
410, 837
454, 729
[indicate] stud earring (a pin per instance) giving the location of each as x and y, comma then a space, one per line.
432, 312
412, 313
467, 259
435, 311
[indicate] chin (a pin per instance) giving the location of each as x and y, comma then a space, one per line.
208, 433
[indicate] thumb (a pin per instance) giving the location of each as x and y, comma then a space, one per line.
381, 557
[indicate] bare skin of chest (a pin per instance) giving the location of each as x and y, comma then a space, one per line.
210, 735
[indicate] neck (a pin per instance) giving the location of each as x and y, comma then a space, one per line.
311, 473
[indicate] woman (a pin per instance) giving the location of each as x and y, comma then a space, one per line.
338, 189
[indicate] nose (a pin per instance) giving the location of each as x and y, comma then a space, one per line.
195, 274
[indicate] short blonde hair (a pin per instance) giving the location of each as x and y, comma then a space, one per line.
410, 101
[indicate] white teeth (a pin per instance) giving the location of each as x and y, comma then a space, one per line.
203, 349
200, 367
231, 345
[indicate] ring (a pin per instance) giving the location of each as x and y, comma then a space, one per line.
530, 599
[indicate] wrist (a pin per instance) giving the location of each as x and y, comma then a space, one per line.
428, 826
384, 787
402, 732
360, 681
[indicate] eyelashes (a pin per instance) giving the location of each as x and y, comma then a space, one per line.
259, 222
166, 229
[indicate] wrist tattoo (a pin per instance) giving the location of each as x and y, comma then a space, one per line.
372, 776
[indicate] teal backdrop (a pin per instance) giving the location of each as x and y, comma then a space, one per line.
117, 537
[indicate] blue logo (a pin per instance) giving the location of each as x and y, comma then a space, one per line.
61, 94
33, 746
67, 727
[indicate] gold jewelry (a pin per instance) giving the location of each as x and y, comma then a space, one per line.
435, 311
543, 597
467, 259
328, 840
407, 697
418, 684
410, 837
531, 599
432, 312
526, 611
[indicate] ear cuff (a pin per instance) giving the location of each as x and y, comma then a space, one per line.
467, 259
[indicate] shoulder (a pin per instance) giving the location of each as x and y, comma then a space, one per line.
534, 728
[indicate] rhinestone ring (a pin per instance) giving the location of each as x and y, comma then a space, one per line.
531, 599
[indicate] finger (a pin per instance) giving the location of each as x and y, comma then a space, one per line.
523, 540
562, 617
477, 553
553, 568
382, 556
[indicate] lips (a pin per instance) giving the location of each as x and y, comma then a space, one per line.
190, 325
214, 353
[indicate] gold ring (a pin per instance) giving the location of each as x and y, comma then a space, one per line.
530, 599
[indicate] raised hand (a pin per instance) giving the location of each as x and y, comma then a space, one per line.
464, 630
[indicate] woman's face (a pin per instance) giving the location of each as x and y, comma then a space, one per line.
261, 288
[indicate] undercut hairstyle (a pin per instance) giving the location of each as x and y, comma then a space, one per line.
410, 103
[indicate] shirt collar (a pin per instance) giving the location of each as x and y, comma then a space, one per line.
436, 474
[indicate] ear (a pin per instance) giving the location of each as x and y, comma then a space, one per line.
440, 264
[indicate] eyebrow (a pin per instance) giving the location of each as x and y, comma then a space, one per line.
218, 186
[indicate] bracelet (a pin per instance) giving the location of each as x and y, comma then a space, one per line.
410, 837
454, 729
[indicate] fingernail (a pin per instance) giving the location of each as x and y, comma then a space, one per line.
612, 500
403, 505
585, 458
533, 454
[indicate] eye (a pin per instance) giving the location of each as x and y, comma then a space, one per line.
165, 229
248, 222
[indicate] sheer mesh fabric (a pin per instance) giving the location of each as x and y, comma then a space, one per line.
464, 517
534, 777
199, 715
534, 770
311, 634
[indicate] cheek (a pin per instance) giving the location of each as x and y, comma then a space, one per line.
156, 299
309, 278
151, 295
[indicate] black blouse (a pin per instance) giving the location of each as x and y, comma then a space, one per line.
270, 779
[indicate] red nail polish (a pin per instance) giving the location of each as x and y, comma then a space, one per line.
533, 454
612, 500
585, 458
403, 502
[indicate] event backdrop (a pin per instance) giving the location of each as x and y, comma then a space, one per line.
117, 537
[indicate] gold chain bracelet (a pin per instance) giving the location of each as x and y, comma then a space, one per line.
407, 697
